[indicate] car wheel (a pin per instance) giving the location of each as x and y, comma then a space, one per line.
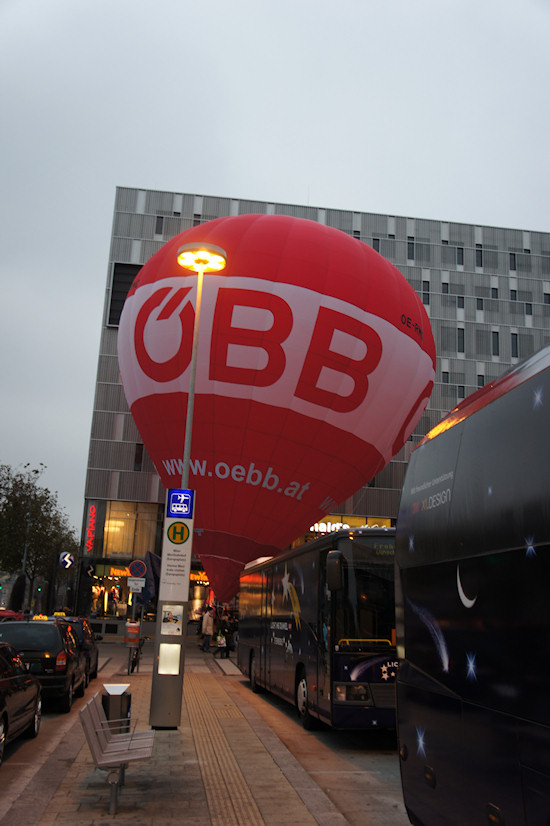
302, 704
2, 738
34, 725
67, 701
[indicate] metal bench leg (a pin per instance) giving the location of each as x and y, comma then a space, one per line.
113, 778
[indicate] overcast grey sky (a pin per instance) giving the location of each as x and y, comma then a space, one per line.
433, 109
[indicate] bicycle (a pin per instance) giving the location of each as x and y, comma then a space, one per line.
134, 655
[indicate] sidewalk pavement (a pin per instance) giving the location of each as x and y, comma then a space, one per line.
224, 766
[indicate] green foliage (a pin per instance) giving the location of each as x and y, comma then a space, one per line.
33, 527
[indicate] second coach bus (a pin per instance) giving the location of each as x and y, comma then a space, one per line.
473, 610
317, 627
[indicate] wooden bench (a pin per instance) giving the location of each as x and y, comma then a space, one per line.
112, 752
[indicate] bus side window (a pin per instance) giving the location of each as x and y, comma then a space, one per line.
335, 570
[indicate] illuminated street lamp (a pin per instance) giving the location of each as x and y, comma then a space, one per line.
201, 258
169, 651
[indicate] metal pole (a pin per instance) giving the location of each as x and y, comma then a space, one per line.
191, 395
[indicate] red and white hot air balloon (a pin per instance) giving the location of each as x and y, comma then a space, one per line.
315, 362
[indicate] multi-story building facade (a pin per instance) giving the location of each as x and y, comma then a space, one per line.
486, 291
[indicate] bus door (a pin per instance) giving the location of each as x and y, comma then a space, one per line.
324, 639
265, 652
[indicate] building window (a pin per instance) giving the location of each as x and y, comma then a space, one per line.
513, 295
480, 380
528, 309
495, 343
445, 288
512, 262
479, 255
159, 225
445, 377
131, 528
410, 248
515, 345
123, 278
196, 219
460, 302
494, 292
460, 340
460, 256
479, 303
461, 391
376, 244
138, 457
546, 298
356, 233
425, 292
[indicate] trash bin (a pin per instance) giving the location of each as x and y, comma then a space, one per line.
117, 702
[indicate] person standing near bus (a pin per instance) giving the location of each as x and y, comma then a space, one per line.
207, 629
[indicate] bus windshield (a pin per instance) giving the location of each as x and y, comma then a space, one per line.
364, 615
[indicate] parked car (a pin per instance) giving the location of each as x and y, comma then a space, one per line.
20, 700
88, 642
51, 650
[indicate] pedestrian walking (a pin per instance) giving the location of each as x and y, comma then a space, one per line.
207, 629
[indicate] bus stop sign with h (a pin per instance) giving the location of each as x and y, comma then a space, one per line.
168, 664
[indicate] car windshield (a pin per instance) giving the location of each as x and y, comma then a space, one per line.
29, 635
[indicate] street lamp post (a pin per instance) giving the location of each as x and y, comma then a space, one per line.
169, 653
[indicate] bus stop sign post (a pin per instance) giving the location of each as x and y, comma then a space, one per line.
169, 652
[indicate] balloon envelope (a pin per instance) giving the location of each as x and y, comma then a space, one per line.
315, 362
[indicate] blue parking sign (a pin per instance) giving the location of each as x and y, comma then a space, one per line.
180, 503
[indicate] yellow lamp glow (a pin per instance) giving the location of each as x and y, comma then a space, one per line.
202, 257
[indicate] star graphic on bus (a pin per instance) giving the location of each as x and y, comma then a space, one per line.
420, 741
471, 669
537, 397
530, 546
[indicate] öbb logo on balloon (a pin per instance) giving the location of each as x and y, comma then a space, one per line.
315, 362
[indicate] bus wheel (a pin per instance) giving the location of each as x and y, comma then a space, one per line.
308, 721
253, 675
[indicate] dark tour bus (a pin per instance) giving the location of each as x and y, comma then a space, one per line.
317, 627
473, 610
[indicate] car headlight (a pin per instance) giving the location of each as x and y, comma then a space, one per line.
352, 693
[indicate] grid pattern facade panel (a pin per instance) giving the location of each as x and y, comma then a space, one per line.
173, 226
149, 248
108, 370
121, 249
134, 487
108, 345
461, 235
526, 343
246, 207
430, 230
111, 397
130, 225
219, 207
108, 455
130, 432
103, 425
97, 484
374, 226
483, 343
126, 199
388, 248
310, 213
340, 219
513, 239
159, 203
